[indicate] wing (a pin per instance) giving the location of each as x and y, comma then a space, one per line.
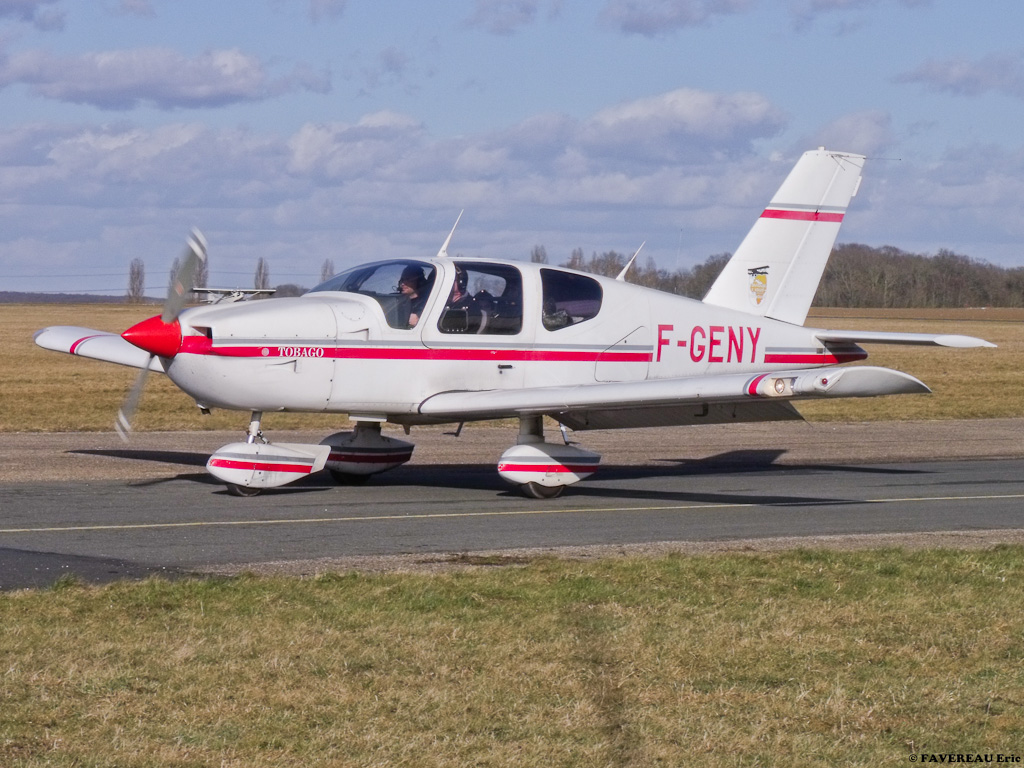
664, 402
886, 337
99, 345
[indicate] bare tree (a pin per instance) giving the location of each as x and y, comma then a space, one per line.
539, 255
327, 270
202, 274
262, 279
136, 281
173, 277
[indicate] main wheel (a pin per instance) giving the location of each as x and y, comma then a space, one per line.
538, 491
243, 490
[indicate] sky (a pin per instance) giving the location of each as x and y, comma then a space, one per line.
303, 131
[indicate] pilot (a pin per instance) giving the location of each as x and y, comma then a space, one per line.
460, 297
412, 285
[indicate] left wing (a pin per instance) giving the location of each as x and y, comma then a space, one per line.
99, 345
663, 402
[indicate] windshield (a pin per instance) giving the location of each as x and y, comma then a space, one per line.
401, 288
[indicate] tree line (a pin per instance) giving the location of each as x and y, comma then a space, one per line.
856, 276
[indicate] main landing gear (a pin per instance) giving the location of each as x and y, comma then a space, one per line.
542, 470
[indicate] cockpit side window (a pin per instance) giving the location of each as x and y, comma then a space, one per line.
400, 287
485, 298
568, 299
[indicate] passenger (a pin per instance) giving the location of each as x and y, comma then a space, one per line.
412, 285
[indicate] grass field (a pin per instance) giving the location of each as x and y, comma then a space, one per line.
45, 391
790, 659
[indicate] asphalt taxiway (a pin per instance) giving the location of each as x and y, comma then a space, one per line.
100, 511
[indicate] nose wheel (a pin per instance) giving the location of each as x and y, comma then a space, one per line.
244, 491
538, 491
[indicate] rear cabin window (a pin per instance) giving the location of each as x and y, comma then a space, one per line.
485, 298
568, 299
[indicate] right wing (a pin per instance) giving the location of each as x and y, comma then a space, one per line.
663, 402
98, 345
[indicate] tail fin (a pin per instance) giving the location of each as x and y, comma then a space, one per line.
776, 270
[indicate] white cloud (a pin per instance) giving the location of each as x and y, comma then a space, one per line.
864, 133
340, 150
681, 123
125, 79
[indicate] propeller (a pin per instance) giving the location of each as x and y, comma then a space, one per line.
161, 335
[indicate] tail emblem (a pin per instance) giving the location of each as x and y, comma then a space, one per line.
758, 284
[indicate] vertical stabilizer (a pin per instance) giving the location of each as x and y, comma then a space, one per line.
776, 270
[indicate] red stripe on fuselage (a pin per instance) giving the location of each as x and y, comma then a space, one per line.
200, 345
777, 213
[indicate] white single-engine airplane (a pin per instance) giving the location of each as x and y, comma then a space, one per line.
435, 340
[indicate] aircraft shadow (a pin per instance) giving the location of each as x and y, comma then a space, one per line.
482, 477
186, 458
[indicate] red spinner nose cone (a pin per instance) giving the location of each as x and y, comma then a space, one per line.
155, 336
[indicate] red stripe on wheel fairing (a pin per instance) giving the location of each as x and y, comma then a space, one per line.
301, 469
575, 468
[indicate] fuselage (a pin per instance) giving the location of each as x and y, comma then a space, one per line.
350, 345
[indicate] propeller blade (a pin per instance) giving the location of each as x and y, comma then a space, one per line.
195, 255
126, 414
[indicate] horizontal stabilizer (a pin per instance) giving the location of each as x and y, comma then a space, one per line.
885, 337
98, 345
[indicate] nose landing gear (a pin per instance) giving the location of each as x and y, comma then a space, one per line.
247, 468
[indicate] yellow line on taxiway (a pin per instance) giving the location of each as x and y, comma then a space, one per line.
506, 513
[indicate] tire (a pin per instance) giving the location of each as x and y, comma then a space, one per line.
244, 491
538, 491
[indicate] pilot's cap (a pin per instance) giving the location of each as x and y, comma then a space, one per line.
413, 276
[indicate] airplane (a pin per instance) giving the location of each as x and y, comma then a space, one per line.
231, 295
417, 341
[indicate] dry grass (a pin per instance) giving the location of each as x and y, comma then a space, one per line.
788, 659
44, 391
966, 383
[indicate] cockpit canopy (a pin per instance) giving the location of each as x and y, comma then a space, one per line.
401, 287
